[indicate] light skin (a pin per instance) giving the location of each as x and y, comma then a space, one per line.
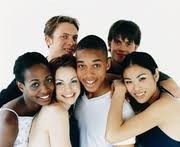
51, 125
62, 41
120, 48
162, 112
92, 66
37, 90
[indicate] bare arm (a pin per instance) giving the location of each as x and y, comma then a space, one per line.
8, 128
118, 130
171, 86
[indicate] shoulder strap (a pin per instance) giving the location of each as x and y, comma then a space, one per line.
8, 109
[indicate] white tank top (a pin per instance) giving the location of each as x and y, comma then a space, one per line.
24, 123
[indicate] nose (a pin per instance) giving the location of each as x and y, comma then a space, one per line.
122, 47
45, 89
71, 41
136, 87
68, 88
89, 72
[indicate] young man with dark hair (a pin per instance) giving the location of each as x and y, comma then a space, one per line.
92, 108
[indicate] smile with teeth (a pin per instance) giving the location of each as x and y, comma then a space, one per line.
139, 94
90, 82
44, 97
69, 95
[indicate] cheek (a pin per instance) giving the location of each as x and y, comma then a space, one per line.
77, 88
59, 91
129, 88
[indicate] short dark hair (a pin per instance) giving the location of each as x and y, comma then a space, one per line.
25, 62
54, 21
92, 42
125, 29
142, 59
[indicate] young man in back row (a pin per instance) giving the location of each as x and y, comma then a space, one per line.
92, 108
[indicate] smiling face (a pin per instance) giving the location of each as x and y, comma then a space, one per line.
67, 85
38, 84
140, 83
92, 65
63, 40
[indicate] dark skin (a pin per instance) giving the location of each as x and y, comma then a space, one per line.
9, 123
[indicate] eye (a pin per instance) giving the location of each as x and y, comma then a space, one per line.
75, 38
74, 81
96, 65
35, 85
127, 82
80, 66
64, 37
50, 79
142, 79
59, 83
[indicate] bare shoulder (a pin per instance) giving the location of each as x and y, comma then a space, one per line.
53, 110
8, 118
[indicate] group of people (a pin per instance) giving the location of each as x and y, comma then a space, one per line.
80, 97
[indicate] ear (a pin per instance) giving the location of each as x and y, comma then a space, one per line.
48, 40
108, 63
20, 86
156, 75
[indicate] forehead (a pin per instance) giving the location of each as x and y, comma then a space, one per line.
66, 28
36, 71
65, 72
134, 70
90, 55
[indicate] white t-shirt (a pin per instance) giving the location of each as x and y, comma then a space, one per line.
92, 118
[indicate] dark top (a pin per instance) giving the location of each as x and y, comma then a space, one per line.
10, 93
74, 130
156, 138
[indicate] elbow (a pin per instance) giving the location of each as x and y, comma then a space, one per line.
111, 137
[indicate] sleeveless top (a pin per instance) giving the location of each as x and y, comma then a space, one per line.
24, 124
155, 137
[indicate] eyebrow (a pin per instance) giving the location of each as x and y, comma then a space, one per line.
141, 75
96, 60
70, 34
75, 77
136, 77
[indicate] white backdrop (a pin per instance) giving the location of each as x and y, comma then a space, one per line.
22, 23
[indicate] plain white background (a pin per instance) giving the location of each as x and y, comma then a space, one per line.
22, 23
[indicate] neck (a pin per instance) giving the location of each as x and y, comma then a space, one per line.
28, 108
155, 96
64, 105
116, 67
